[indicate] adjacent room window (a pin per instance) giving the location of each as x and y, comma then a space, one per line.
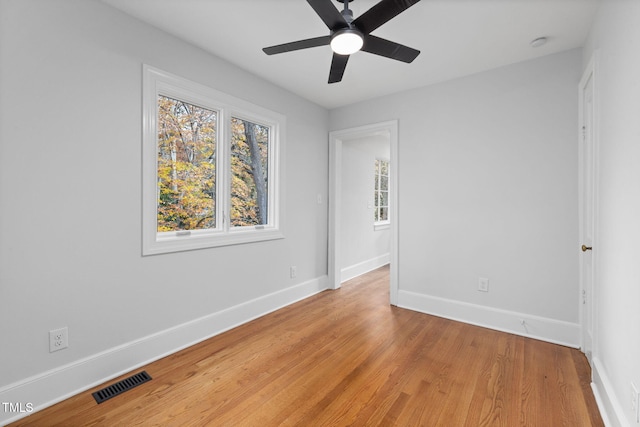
381, 194
210, 171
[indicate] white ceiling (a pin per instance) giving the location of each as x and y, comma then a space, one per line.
455, 37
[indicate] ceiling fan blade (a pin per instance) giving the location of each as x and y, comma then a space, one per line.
382, 12
389, 49
300, 44
328, 13
338, 64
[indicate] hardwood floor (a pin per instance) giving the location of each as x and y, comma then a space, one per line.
346, 357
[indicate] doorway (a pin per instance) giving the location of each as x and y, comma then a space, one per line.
587, 212
336, 140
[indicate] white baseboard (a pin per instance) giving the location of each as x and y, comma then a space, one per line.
363, 267
48, 388
611, 410
541, 328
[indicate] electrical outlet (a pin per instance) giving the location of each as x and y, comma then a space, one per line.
635, 401
293, 271
483, 284
58, 339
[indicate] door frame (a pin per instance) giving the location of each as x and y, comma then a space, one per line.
589, 75
336, 139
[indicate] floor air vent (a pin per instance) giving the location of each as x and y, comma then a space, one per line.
121, 386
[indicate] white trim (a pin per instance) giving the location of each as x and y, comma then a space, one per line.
600, 404
348, 273
336, 139
379, 226
157, 82
541, 328
48, 388
611, 410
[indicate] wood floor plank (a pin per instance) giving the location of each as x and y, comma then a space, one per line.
346, 357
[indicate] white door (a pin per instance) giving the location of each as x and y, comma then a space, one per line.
587, 209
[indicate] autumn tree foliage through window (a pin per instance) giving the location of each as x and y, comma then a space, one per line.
187, 168
249, 164
210, 167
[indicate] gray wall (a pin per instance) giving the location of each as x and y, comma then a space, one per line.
488, 187
70, 192
615, 38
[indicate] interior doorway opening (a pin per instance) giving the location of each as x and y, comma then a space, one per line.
342, 143
364, 214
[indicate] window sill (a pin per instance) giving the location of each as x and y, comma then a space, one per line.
381, 226
179, 244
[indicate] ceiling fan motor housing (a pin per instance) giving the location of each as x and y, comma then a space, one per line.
348, 15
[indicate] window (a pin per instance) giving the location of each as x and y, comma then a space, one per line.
210, 167
186, 172
381, 194
249, 173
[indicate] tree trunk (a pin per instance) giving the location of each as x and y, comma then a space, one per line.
257, 170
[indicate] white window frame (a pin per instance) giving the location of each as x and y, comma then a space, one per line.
157, 82
383, 225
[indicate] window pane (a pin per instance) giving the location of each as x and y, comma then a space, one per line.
186, 166
384, 183
384, 167
381, 191
384, 214
384, 198
249, 173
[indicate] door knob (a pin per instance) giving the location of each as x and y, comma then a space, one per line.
586, 248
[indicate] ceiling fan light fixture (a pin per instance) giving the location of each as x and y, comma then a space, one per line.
347, 41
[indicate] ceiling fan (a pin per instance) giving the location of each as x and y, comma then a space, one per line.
348, 35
